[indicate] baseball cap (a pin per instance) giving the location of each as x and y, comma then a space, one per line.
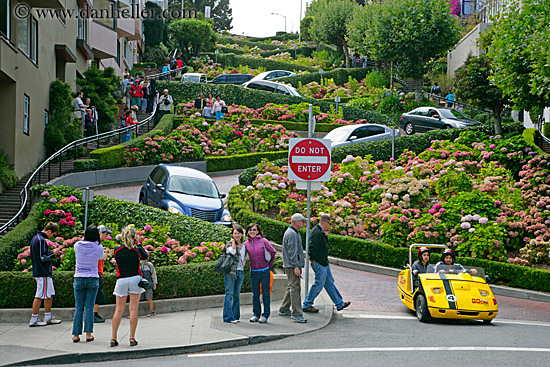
102, 228
298, 217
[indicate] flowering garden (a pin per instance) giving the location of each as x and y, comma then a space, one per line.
486, 197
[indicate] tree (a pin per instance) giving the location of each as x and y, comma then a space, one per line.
473, 82
191, 36
330, 18
518, 45
60, 130
408, 32
305, 28
154, 29
220, 11
101, 86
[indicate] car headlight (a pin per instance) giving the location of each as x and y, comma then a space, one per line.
174, 210
227, 218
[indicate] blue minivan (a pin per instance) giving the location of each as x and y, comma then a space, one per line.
185, 191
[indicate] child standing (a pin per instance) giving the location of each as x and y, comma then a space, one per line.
149, 273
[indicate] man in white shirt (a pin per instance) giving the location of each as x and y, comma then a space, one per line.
165, 104
79, 110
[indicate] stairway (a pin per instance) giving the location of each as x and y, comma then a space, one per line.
11, 202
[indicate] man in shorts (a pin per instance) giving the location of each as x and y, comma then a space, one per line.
42, 272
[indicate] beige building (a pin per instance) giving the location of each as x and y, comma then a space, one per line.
49, 44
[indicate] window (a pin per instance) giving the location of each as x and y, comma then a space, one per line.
82, 27
26, 109
27, 37
375, 130
125, 48
5, 18
118, 52
359, 133
46, 118
103, 10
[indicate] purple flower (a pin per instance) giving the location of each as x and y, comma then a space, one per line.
442, 210
281, 185
465, 225
476, 217
437, 206
47, 212
53, 200
492, 146
340, 180
388, 195
62, 222
260, 186
498, 202
472, 230
71, 223
164, 249
486, 156
45, 193
432, 211
118, 237
147, 227
73, 199
483, 220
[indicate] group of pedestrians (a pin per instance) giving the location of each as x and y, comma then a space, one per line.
132, 268
173, 67
211, 106
451, 101
139, 91
86, 114
261, 255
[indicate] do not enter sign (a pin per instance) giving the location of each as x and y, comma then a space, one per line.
309, 160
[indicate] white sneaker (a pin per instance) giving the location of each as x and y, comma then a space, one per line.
254, 319
37, 323
234, 321
263, 320
53, 321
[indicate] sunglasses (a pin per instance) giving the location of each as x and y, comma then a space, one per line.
253, 230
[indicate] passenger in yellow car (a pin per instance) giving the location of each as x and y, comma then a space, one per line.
447, 263
420, 265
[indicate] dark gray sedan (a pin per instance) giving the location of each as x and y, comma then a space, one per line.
424, 119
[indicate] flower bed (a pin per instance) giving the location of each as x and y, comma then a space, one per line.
487, 197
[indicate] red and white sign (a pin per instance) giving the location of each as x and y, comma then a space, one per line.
309, 159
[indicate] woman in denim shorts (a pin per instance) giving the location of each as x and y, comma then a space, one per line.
128, 275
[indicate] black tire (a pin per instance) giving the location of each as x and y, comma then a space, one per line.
422, 312
487, 321
141, 200
409, 128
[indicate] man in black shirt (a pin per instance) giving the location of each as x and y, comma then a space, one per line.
318, 256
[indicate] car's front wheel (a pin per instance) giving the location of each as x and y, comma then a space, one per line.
409, 128
422, 312
141, 200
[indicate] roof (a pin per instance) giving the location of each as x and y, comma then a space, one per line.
174, 170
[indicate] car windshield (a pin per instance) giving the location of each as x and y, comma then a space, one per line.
452, 114
192, 186
191, 78
458, 269
338, 135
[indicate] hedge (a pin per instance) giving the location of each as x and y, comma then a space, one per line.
236, 94
86, 164
381, 150
251, 44
240, 161
302, 51
356, 249
232, 60
111, 157
145, 65
529, 136
227, 50
18, 238
340, 76
297, 126
283, 37
190, 280
9, 178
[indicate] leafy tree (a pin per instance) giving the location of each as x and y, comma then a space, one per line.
473, 82
408, 32
305, 28
518, 45
102, 87
61, 130
154, 29
192, 36
220, 12
330, 18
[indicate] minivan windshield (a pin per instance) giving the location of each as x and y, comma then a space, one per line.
192, 186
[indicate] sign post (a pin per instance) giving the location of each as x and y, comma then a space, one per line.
309, 162
337, 100
217, 52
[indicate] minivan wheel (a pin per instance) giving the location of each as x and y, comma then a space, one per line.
409, 128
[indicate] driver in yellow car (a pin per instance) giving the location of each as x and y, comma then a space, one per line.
448, 259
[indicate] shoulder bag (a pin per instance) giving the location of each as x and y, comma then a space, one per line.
224, 263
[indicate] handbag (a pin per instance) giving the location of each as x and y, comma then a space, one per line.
224, 263
143, 283
267, 254
224, 109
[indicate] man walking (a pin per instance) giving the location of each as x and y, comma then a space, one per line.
79, 110
42, 272
165, 103
318, 256
293, 262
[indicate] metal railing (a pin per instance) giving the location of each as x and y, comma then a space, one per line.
161, 76
70, 150
465, 108
539, 125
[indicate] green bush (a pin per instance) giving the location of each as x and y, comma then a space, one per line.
297, 126
145, 65
190, 280
239, 161
248, 175
235, 94
18, 238
340, 76
232, 60
282, 37
390, 106
362, 103
529, 136
86, 164
376, 79
251, 44
355, 249
8, 177
482, 117
228, 50
546, 129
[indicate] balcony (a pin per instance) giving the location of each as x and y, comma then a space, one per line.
49, 4
8, 61
86, 50
103, 41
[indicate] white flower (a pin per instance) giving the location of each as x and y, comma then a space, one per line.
476, 217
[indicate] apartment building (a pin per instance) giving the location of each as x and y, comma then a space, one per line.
41, 41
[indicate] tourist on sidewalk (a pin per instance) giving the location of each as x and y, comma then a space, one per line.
234, 279
129, 275
261, 255
86, 282
145, 98
42, 272
149, 273
293, 262
100, 297
318, 256
136, 92
165, 103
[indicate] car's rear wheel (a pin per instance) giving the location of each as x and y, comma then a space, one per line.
409, 128
422, 308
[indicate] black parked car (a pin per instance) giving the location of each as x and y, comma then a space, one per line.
424, 119
231, 79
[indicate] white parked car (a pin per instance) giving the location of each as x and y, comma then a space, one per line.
273, 87
194, 77
273, 74
361, 133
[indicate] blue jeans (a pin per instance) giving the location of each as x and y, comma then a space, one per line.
136, 101
257, 277
231, 303
219, 115
323, 279
85, 290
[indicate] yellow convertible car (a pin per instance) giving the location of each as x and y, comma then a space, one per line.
457, 292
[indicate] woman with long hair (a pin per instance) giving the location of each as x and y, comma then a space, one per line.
259, 250
234, 279
87, 252
128, 276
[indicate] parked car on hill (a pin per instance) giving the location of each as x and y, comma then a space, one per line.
362, 133
194, 77
185, 191
231, 79
273, 87
424, 119
273, 74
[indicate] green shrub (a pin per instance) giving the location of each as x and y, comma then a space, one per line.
282, 37
232, 60
145, 65
8, 177
482, 117
86, 164
248, 175
546, 129
529, 136
228, 50
251, 44
239, 161
190, 280
340, 76
376, 79
389, 106
18, 238
362, 103
297, 126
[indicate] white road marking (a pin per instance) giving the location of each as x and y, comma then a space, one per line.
376, 349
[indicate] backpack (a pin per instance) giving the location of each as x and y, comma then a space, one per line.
147, 275
173, 65
123, 120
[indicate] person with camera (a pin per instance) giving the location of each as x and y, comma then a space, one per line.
128, 261
165, 103
87, 252
42, 271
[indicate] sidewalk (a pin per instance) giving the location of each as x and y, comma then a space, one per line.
160, 335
